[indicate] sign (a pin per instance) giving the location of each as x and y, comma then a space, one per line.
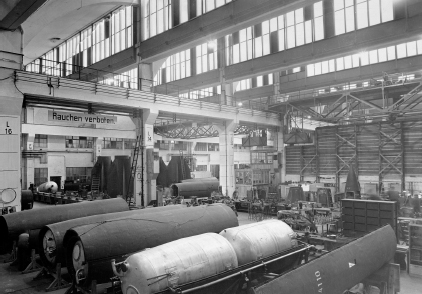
149, 136
75, 117
9, 125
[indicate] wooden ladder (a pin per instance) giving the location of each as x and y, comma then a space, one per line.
129, 191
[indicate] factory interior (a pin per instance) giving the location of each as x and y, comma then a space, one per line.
211, 146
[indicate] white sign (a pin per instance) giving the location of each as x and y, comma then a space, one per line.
149, 136
9, 125
86, 118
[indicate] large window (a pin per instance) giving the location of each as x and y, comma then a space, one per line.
296, 28
176, 67
161, 15
81, 174
127, 79
109, 35
206, 57
112, 143
368, 13
40, 176
255, 82
130, 143
79, 142
40, 141
201, 146
202, 93
365, 58
121, 29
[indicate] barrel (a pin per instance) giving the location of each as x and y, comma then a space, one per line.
188, 260
14, 224
259, 240
90, 248
27, 200
50, 239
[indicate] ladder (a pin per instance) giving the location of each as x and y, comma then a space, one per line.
130, 190
95, 184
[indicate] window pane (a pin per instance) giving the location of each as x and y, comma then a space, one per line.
291, 37
382, 55
374, 12
362, 15
364, 58
332, 65
401, 51
350, 19
348, 62
319, 28
355, 58
324, 67
339, 22
300, 34
387, 11
373, 56
310, 70
340, 63
411, 49
318, 69
391, 52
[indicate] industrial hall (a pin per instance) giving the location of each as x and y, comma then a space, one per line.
211, 146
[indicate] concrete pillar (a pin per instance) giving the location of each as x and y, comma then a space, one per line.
10, 114
146, 77
226, 141
146, 167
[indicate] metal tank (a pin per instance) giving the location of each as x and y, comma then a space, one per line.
50, 239
14, 224
259, 240
195, 187
48, 187
90, 248
338, 270
175, 263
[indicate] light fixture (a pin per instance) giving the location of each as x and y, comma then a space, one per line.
55, 40
309, 116
239, 104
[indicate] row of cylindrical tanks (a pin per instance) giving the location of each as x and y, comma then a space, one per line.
175, 249
106, 230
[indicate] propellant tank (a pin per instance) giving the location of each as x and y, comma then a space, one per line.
14, 224
90, 248
50, 239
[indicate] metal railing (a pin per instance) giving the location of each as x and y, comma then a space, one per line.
378, 81
91, 74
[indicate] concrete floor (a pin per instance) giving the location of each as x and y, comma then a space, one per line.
12, 281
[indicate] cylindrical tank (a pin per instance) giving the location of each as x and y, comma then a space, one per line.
50, 239
48, 187
338, 270
14, 224
259, 240
100, 243
175, 263
196, 187
27, 200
